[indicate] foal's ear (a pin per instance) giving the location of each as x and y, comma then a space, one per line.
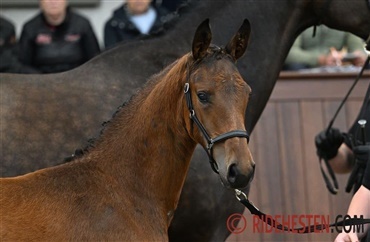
202, 40
239, 43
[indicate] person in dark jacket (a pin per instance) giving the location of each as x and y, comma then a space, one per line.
57, 39
344, 151
9, 62
134, 19
339, 148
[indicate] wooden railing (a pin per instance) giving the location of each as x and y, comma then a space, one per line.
288, 179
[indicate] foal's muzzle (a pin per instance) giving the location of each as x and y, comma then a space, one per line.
237, 179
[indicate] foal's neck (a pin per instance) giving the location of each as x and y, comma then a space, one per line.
146, 147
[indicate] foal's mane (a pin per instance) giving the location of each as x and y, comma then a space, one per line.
176, 74
172, 71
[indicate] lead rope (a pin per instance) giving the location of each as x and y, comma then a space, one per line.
242, 198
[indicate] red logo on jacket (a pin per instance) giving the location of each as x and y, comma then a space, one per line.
43, 39
72, 37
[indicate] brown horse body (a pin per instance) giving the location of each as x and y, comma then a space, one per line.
128, 185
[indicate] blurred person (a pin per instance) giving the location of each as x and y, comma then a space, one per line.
57, 39
344, 151
328, 48
134, 19
9, 62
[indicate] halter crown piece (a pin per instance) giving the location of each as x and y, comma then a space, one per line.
210, 141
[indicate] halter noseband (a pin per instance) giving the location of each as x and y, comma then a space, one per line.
210, 141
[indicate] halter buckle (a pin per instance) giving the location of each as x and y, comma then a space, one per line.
210, 145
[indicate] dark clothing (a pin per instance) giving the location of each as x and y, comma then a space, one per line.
355, 130
59, 48
7, 33
366, 179
171, 5
9, 61
356, 134
120, 28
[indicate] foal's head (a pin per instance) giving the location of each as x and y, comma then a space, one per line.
219, 98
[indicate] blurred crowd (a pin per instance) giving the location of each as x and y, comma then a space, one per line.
58, 39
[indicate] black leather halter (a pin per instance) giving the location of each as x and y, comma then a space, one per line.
210, 141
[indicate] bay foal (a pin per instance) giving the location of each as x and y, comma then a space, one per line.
126, 187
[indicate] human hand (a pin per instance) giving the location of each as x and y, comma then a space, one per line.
358, 58
328, 60
328, 143
344, 237
333, 58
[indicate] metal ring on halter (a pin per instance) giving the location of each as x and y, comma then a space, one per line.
239, 193
192, 113
186, 87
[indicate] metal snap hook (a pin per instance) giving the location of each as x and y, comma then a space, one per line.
240, 195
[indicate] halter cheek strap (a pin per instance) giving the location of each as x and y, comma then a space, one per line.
210, 141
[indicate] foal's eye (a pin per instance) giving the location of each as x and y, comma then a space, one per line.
203, 97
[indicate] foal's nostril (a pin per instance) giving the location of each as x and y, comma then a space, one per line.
236, 178
233, 173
